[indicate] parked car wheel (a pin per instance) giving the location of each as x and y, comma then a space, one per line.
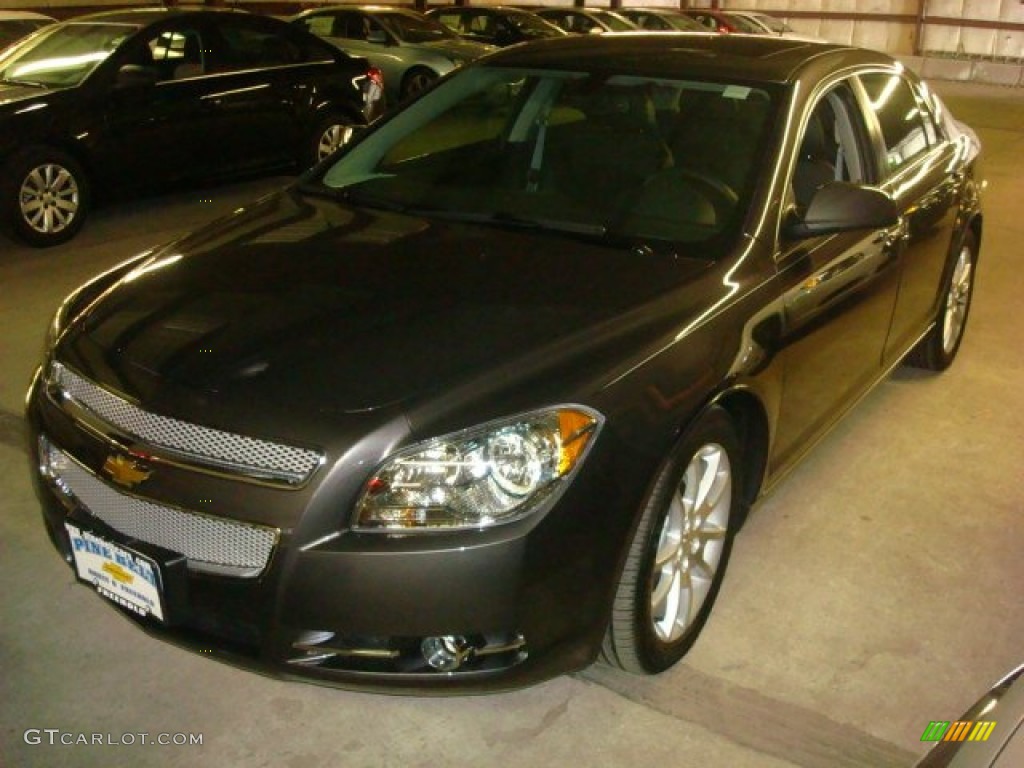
936, 351
45, 196
680, 550
416, 80
331, 133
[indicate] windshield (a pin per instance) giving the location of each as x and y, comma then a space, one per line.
613, 21
63, 55
416, 29
532, 25
775, 25
684, 23
619, 156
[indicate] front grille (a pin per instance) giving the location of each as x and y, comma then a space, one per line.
201, 445
210, 544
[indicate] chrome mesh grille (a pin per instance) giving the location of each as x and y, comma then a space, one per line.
201, 444
209, 543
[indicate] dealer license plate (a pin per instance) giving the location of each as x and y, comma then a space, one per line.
125, 577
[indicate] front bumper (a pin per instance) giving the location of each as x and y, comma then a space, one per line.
520, 603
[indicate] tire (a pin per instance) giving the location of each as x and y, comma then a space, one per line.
680, 550
45, 196
331, 134
415, 81
937, 350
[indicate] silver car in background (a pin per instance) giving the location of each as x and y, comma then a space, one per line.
409, 49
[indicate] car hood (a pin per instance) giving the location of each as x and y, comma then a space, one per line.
13, 94
299, 304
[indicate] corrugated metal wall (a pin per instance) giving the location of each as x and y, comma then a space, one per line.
895, 37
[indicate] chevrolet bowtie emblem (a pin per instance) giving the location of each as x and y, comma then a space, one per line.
125, 471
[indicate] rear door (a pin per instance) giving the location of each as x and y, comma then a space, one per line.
257, 94
916, 158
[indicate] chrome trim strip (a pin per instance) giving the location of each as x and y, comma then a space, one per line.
211, 544
179, 443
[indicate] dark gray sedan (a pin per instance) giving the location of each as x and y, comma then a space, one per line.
487, 397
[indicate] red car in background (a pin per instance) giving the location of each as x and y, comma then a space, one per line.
724, 22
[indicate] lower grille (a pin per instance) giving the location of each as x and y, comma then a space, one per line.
210, 544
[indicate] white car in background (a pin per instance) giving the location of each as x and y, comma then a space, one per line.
773, 25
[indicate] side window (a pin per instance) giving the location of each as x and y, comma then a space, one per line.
900, 118
177, 54
249, 44
322, 24
482, 24
450, 20
707, 21
831, 147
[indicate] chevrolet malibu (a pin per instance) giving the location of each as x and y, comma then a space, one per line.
486, 397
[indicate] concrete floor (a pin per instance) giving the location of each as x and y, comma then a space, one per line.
879, 588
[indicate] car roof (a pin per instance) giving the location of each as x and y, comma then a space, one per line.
143, 16
6, 15
749, 58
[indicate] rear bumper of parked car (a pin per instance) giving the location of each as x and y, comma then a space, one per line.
494, 610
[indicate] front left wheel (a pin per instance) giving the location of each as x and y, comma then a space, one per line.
680, 550
45, 196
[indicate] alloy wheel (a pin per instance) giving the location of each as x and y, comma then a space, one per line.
49, 198
333, 137
691, 543
957, 299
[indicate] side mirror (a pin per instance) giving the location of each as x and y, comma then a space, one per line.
840, 206
136, 76
377, 37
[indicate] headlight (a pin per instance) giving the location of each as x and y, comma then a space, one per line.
493, 474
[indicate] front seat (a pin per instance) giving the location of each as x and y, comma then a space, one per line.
192, 61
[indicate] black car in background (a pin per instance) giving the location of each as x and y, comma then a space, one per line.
496, 25
488, 396
104, 105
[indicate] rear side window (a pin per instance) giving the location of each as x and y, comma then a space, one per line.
248, 45
900, 117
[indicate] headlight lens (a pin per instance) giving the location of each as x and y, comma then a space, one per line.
494, 474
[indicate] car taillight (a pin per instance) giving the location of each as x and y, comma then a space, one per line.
375, 76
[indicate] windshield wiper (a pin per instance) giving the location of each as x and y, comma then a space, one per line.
501, 218
348, 195
13, 81
515, 220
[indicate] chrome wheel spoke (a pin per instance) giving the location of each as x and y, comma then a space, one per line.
49, 198
691, 543
957, 297
332, 138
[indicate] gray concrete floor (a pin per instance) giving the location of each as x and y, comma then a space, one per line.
879, 588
